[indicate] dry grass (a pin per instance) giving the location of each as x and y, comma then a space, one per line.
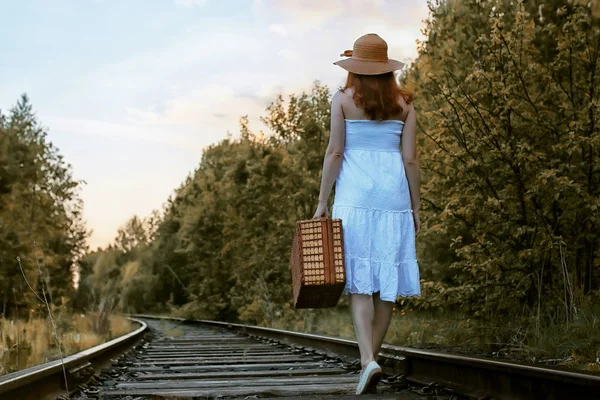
575, 345
25, 343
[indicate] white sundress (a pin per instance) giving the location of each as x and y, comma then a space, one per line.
372, 199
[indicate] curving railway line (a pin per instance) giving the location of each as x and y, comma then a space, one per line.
170, 358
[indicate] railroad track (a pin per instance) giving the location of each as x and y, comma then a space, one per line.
169, 358
205, 361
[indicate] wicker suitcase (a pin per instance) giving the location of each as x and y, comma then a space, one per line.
317, 263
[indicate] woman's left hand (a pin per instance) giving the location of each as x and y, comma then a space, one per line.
417, 221
322, 211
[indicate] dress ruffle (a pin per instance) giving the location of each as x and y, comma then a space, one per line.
379, 252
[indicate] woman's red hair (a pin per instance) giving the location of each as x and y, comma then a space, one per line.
377, 94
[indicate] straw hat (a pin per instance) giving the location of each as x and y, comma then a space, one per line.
369, 57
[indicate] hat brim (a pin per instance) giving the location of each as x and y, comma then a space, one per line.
369, 67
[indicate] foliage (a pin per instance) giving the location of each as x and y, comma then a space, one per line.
41, 230
509, 105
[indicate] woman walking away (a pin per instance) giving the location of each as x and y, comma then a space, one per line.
377, 193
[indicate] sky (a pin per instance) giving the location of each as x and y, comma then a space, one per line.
132, 91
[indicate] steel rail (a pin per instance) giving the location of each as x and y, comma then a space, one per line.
474, 377
47, 380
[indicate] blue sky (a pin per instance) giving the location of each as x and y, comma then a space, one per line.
132, 91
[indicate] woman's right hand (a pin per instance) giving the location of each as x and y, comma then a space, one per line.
417, 221
322, 211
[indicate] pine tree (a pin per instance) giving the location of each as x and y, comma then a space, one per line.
42, 233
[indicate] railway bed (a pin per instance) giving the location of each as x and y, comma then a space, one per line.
171, 358
190, 361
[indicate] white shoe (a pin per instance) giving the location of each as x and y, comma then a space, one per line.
372, 370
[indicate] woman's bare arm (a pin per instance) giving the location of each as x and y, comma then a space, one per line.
410, 158
335, 150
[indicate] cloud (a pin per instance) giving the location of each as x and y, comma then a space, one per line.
128, 130
343, 16
189, 3
318, 12
278, 29
289, 55
213, 108
151, 77
194, 88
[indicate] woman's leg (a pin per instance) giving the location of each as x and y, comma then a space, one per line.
381, 321
361, 306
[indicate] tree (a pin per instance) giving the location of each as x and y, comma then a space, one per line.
508, 102
40, 210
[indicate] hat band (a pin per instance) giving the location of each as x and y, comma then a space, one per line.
370, 59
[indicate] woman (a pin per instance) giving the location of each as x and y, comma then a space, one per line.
377, 193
